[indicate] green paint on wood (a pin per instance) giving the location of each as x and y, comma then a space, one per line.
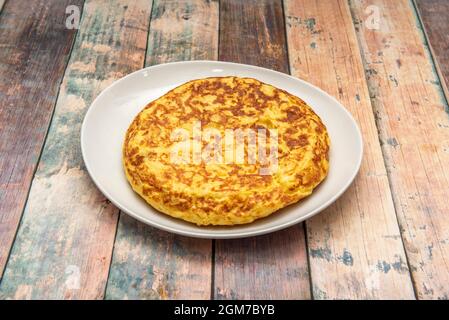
319, 294
321, 253
32, 62
64, 244
149, 263
275, 265
153, 264
347, 258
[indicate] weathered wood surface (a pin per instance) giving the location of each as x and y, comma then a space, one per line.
274, 265
33, 55
435, 17
355, 246
183, 30
414, 131
64, 244
149, 263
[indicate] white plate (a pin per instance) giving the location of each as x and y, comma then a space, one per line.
111, 113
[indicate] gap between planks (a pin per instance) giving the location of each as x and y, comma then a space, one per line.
414, 130
353, 244
28, 142
167, 265
66, 236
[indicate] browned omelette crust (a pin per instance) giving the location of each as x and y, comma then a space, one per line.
225, 194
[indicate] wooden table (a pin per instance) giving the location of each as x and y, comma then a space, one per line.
386, 237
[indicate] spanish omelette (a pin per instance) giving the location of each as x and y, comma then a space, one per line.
217, 193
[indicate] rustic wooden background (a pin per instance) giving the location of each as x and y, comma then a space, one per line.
387, 237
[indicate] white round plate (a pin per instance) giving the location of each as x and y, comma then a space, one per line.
111, 113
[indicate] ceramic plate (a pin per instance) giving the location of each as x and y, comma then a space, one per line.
111, 113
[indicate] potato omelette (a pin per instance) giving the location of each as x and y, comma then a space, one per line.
225, 151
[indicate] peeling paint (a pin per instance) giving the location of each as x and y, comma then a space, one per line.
310, 24
347, 258
321, 253
392, 142
319, 294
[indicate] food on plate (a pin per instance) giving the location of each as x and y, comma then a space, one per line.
225, 151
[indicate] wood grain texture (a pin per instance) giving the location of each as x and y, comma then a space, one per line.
183, 30
64, 244
354, 246
33, 55
414, 131
149, 263
275, 265
435, 17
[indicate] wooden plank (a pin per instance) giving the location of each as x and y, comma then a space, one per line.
33, 55
275, 265
64, 244
183, 30
414, 129
149, 263
435, 17
355, 248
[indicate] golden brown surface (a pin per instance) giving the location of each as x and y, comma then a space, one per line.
225, 194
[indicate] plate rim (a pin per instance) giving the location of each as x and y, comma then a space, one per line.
209, 234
